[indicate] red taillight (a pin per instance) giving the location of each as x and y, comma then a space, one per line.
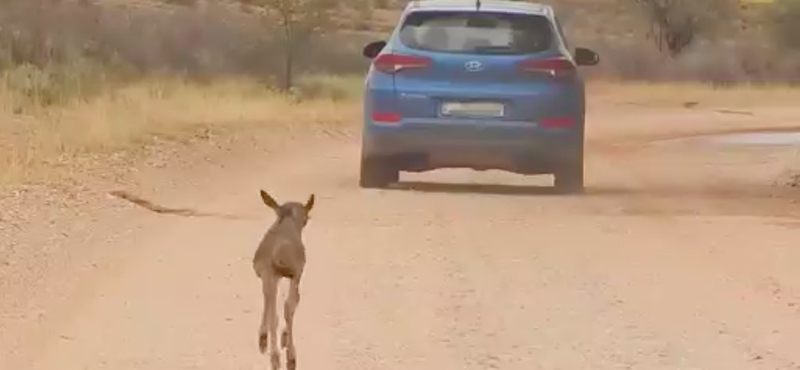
392, 63
555, 67
555, 122
390, 117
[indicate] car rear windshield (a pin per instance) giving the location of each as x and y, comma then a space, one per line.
476, 32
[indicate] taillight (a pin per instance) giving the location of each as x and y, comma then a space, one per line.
386, 117
392, 63
556, 122
558, 67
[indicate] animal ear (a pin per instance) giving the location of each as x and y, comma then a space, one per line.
310, 203
271, 203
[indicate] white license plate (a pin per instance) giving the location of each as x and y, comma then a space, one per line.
473, 109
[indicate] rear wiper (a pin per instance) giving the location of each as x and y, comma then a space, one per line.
494, 48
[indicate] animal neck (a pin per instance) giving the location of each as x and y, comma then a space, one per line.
287, 221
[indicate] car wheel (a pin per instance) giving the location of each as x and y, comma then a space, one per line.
570, 179
377, 173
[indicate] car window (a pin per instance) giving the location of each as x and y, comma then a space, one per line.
562, 34
476, 32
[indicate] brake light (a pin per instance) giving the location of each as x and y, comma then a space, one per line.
558, 67
392, 63
555, 122
390, 117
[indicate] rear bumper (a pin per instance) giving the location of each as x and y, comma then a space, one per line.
521, 147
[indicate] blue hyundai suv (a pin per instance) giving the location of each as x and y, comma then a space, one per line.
475, 84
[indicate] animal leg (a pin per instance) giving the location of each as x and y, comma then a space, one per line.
269, 319
263, 331
272, 325
287, 337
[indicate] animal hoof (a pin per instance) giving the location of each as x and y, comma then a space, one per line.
291, 363
276, 360
262, 343
284, 338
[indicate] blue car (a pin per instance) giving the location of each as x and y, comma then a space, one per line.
486, 84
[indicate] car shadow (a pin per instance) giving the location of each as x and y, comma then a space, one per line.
589, 191
459, 188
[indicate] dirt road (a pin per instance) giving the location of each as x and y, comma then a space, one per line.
682, 255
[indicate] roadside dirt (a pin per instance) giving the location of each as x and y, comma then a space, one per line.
682, 255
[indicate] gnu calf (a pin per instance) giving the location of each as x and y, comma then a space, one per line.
281, 254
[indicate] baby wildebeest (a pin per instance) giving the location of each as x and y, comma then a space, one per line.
281, 254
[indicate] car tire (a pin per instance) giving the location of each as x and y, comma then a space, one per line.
569, 180
377, 173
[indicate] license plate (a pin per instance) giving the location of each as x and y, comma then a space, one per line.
473, 109
468, 159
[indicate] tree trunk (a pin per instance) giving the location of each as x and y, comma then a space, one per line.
288, 81
288, 72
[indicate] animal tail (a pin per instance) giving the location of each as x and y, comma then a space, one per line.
282, 269
255, 269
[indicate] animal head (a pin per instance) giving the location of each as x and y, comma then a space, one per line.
295, 210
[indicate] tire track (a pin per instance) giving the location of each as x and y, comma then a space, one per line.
183, 212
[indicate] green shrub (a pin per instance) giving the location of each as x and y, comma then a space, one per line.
32, 86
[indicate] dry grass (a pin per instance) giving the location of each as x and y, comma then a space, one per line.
678, 93
39, 139
36, 142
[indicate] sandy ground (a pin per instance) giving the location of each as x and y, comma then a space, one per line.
682, 255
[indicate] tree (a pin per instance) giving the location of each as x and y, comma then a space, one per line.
295, 22
674, 24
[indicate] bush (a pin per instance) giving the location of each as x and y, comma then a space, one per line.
675, 24
330, 87
783, 21
31, 86
64, 38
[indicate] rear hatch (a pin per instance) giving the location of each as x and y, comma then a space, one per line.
453, 65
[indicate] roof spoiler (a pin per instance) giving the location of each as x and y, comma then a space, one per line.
477, 4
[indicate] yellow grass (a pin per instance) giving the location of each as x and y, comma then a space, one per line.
676, 93
42, 138
37, 139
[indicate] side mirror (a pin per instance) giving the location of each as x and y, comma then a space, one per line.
372, 49
586, 57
